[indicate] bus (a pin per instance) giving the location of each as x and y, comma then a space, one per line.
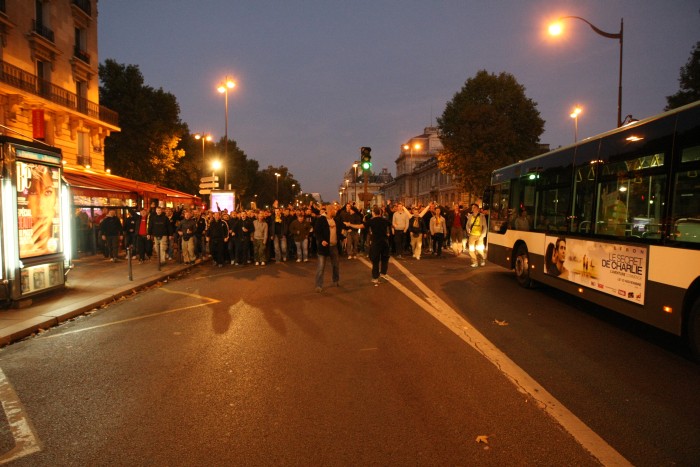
613, 219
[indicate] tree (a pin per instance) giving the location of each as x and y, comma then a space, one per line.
147, 147
488, 124
689, 82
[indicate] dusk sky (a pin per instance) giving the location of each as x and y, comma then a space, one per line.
316, 80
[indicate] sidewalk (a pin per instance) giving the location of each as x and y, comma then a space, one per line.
93, 282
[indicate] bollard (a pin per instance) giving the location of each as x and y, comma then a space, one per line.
129, 249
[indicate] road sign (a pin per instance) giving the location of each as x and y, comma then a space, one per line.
214, 178
365, 196
209, 185
204, 192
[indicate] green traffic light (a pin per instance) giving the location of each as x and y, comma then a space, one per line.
366, 165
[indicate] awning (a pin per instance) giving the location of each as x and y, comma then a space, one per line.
88, 183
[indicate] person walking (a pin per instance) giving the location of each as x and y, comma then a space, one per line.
160, 230
218, 236
260, 228
300, 229
399, 221
477, 228
326, 233
416, 230
437, 231
186, 230
112, 233
379, 231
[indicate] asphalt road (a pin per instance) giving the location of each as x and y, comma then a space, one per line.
250, 366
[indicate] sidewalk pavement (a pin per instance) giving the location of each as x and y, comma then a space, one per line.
94, 281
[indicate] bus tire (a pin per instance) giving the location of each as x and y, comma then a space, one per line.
522, 267
694, 330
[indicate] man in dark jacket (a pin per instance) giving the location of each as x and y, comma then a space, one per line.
218, 235
160, 230
112, 233
326, 233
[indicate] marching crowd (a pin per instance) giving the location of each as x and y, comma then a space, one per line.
296, 234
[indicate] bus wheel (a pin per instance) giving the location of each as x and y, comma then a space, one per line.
694, 330
522, 267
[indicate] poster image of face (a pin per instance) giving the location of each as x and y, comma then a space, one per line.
614, 269
38, 210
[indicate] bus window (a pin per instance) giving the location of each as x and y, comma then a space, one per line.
585, 179
686, 198
498, 215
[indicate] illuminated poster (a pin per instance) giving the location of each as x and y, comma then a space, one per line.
619, 270
38, 210
221, 200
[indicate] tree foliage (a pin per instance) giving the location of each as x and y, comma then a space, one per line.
488, 124
689, 82
147, 147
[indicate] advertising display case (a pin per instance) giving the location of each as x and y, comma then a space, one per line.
35, 253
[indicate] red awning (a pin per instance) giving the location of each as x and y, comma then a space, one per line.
89, 183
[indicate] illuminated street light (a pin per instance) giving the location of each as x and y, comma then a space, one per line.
223, 88
215, 165
557, 28
277, 186
407, 147
354, 166
203, 137
574, 114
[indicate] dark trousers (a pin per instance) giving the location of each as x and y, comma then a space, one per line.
242, 250
379, 255
398, 241
217, 245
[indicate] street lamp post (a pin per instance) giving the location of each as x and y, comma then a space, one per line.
410, 148
556, 29
354, 166
277, 186
574, 114
203, 137
223, 88
215, 165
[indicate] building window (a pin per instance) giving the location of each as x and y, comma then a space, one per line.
84, 149
80, 46
81, 92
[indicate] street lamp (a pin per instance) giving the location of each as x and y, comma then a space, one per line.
277, 186
557, 28
203, 137
354, 166
223, 88
410, 148
574, 114
215, 165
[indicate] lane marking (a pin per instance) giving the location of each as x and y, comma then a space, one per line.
26, 441
460, 326
210, 301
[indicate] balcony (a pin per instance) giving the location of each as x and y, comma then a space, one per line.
28, 82
39, 28
81, 55
84, 5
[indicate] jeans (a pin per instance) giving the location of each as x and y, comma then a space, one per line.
335, 263
161, 247
280, 244
302, 249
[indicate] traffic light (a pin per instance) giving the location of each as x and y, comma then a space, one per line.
365, 158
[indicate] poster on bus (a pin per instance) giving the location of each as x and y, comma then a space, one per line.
619, 270
38, 209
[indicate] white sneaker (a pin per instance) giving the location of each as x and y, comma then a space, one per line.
474, 265
483, 263
298, 261
257, 263
375, 282
262, 264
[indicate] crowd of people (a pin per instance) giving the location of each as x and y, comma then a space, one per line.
286, 233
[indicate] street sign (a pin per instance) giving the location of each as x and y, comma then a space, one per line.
209, 185
204, 192
365, 196
214, 178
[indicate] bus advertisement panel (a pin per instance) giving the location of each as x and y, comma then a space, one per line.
619, 270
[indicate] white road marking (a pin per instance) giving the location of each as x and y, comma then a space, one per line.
210, 301
26, 442
456, 323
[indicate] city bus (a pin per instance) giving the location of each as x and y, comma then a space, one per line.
613, 219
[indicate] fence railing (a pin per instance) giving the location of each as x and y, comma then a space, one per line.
20, 79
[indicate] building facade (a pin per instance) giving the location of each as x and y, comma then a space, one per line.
419, 179
49, 85
352, 189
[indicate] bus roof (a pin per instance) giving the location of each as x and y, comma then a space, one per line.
602, 135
